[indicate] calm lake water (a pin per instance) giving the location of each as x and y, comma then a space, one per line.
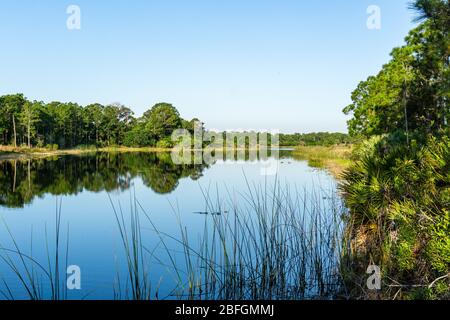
88, 187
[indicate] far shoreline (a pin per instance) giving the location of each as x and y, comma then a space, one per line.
16, 153
334, 159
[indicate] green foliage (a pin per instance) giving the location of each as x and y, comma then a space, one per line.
411, 92
314, 139
403, 191
23, 181
52, 147
10, 107
385, 173
164, 143
377, 106
161, 120
404, 248
68, 125
438, 248
400, 180
138, 137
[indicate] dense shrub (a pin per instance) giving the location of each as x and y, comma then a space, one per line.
404, 191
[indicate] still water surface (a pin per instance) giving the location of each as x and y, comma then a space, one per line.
87, 187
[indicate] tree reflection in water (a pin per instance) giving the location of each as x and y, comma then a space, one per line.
23, 180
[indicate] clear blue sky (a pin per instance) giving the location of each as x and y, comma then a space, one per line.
260, 64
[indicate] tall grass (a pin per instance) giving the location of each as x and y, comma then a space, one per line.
270, 242
137, 285
36, 280
335, 158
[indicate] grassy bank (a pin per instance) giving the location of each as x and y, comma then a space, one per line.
335, 158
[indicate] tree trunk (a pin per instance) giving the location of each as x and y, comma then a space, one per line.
406, 118
14, 130
404, 102
29, 139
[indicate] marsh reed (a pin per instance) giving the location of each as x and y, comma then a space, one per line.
269, 243
35, 279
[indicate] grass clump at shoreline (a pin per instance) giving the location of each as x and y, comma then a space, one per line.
334, 158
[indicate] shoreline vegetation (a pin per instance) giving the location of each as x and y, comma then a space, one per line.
335, 159
397, 189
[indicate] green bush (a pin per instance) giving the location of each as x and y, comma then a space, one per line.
404, 249
52, 147
40, 144
165, 143
405, 192
138, 137
438, 248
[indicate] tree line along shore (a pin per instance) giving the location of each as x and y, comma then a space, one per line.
38, 128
